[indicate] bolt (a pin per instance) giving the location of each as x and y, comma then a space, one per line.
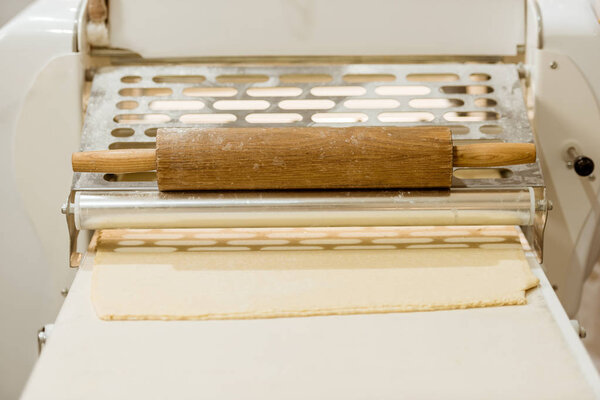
89, 74
582, 332
549, 205
64, 292
41, 338
63, 208
553, 65
542, 205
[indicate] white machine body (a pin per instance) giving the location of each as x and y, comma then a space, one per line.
45, 54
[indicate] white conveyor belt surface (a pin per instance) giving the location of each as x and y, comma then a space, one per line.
528, 352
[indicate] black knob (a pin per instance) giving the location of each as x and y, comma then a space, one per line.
583, 166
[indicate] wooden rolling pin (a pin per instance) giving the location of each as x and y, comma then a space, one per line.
304, 158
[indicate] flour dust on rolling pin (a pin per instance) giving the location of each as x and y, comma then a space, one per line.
304, 158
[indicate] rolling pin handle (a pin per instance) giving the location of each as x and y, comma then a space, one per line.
114, 161
480, 155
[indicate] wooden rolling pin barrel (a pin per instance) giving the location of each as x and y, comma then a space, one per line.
304, 158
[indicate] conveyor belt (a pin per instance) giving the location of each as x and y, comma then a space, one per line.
504, 352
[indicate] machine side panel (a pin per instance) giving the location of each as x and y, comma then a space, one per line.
28, 300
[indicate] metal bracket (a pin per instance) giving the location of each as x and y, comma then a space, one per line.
74, 255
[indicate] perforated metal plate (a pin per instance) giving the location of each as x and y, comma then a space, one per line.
480, 102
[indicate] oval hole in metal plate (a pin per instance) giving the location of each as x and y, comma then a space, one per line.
483, 173
339, 118
151, 132
306, 104
278, 91
242, 78
491, 129
483, 102
367, 104
480, 77
273, 118
122, 132
174, 105
338, 91
305, 78
207, 118
471, 116
210, 91
402, 90
127, 105
131, 79
416, 116
435, 103
467, 89
241, 105
145, 92
459, 129
362, 78
141, 118
179, 79
436, 77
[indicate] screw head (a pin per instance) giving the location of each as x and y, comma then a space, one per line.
554, 65
63, 208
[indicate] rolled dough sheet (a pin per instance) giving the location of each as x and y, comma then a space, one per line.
265, 273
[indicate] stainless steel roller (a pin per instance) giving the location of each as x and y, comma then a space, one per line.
104, 210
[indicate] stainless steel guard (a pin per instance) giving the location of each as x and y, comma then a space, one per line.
479, 102
114, 209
